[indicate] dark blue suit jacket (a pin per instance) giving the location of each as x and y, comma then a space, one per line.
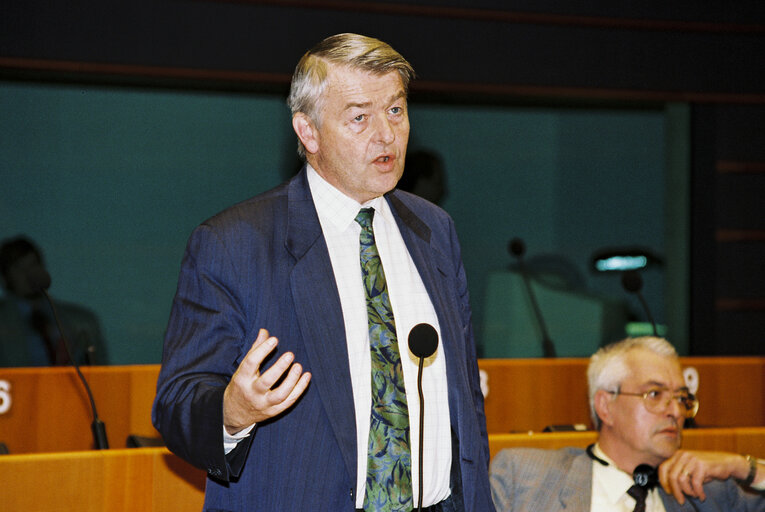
264, 264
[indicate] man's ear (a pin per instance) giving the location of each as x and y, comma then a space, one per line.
602, 403
306, 132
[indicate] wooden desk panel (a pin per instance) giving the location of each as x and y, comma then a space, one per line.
50, 411
530, 394
731, 390
145, 479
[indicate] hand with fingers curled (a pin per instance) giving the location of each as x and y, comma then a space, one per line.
685, 472
251, 397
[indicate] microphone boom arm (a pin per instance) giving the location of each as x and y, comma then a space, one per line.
97, 427
548, 349
517, 248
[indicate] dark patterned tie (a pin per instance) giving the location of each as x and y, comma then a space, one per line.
639, 493
389, 464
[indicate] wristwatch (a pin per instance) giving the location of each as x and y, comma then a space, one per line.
752, 471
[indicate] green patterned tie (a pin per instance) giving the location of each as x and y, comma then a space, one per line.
389, 464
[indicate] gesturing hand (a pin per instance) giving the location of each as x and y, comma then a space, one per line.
249, 398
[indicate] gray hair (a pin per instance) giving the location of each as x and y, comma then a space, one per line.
608, 366
353, 50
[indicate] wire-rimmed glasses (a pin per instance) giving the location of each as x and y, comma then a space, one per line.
657, 400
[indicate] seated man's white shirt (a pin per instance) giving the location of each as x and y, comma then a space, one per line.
610, 485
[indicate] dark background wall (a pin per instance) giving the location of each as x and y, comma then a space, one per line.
631, 60
111, 181
651, 49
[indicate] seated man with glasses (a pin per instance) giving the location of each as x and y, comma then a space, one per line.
639, 403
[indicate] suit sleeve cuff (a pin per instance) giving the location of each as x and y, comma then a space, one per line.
230, 441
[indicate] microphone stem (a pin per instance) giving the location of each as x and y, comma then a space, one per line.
648, 313
548, 349
422, 430
98, 427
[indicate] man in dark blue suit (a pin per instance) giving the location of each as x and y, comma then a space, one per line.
284, 423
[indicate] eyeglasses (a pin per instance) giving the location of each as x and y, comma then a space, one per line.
658, 400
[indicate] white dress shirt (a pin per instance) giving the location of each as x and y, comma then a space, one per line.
610, 485
411, 306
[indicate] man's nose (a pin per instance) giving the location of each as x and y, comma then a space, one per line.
675, 408
385, 132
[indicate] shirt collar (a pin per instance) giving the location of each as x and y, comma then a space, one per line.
615, 482
337, 208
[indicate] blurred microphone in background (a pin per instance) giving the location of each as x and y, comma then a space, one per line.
633, 283
517, 248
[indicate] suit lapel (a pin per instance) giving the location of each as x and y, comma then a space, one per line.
576, 487
319, 315
433, 264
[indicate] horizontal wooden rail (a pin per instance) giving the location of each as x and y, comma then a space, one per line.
739, 440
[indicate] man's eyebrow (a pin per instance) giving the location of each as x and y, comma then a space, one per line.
398, 96
393, 99
357, 105
657, 384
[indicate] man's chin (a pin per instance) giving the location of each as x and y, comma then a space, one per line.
666, 444
386, 183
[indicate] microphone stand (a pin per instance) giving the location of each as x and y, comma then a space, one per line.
517, 248
97, 427
633, 283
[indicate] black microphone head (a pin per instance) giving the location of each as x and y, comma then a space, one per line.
516, 247
632, 281
645, 476
423, 340
38, 279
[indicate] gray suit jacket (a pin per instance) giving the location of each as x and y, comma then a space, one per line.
530, 480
